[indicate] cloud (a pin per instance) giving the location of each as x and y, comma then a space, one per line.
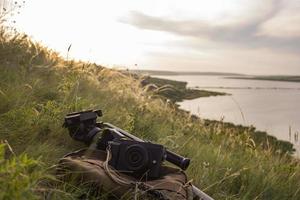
252, 61
286, 24
259, 31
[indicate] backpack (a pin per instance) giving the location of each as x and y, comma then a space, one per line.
90, 167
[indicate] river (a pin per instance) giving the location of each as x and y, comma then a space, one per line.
271, 106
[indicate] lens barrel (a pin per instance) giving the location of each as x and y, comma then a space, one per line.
178, 160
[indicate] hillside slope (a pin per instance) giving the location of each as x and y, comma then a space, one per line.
37, 89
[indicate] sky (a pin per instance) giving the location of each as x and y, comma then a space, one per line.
242, 36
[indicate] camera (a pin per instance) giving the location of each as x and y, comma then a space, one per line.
128, 153
139, 159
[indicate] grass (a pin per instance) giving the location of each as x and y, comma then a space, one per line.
37, 89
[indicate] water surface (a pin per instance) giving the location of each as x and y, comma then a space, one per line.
271, 106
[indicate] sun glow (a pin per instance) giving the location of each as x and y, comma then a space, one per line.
95, 31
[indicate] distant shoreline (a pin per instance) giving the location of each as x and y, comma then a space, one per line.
285, 78
246, 88
269, 78
185, 73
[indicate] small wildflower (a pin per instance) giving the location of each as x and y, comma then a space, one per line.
206, 164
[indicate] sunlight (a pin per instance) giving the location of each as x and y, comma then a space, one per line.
94, 30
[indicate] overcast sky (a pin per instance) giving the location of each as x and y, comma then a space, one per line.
244, 36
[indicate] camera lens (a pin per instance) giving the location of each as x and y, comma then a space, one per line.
136, 157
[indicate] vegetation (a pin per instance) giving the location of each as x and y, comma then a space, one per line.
37, 89
175, 91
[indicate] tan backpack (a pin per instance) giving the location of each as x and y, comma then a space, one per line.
90, 167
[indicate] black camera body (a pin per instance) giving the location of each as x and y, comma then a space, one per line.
139, 159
